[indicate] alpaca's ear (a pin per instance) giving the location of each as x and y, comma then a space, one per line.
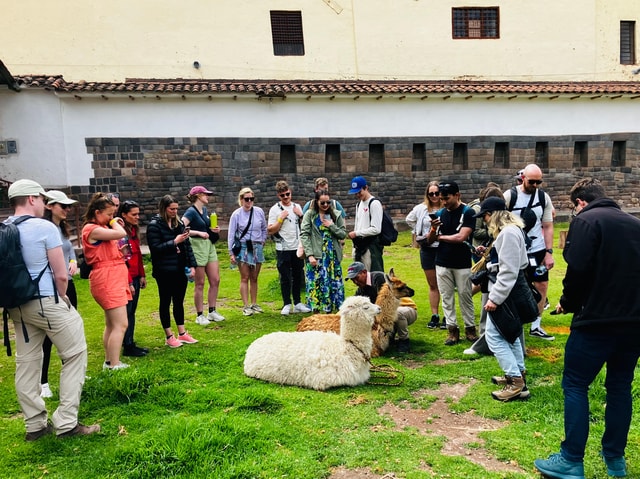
388, 280
391, 273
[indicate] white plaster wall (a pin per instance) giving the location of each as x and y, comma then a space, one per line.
51, 131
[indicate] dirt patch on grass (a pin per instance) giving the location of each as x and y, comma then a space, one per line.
461, 431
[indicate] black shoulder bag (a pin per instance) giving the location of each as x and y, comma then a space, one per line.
237, 246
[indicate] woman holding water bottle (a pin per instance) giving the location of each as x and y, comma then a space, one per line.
204, 232
108, 279
171, 258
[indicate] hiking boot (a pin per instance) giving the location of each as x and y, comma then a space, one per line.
301, 308
80, 430
35, 435
511, 389
434, 323
470, 334
558, 467
187, 338
454, 336
202, 320
616, 466
45, 391
542, 334
173, 342
502, 381
402, 346
215, 316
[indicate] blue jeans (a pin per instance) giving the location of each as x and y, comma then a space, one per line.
509, 356
586, 353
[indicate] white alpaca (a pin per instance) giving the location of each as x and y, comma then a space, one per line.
316, 359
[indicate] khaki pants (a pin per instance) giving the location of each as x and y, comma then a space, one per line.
450, 279
406, 316
64, 326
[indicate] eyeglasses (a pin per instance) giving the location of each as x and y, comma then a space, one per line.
324, 203
285, 195
248, 198
434, 193
534, 182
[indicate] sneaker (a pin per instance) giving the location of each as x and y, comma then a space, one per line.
187, 338
215, 316
202, 320
247, 311
443, 324
256, 308
45, 391
558, 467
470, 351
81, 430
134, 351
118, 366
542, 334
173, 342
403, 346
434, 323
35, 435
616, 466
301, 308
546, 304
286, 310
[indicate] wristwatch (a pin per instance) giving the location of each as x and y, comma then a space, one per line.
550, 251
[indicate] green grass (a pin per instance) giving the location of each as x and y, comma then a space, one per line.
191, 412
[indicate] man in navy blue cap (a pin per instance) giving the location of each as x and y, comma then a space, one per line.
367, 226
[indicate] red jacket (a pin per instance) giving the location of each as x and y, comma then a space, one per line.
135, 264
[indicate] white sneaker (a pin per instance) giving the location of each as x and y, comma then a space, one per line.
470, 351
106, 366
286, 310
202, 320
301, 308
215, 316
256, 308
45, 391
247, 311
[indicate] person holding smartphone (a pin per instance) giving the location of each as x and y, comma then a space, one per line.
420, 219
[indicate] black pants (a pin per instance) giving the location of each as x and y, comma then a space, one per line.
291, 269
131, 314
172, 286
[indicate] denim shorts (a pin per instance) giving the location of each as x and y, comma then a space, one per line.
254, 257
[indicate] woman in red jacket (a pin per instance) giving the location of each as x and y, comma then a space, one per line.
129, 211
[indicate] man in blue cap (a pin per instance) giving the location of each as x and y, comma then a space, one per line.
367, 226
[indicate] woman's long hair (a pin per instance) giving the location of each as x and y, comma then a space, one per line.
501, 219
125, 207
64, 225
99, 202
163, 204
316, 206
426, 201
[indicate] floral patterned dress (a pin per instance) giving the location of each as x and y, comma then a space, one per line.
325, 287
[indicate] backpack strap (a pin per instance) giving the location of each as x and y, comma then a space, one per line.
513, 197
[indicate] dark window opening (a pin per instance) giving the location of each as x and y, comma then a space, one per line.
376, 158
618, 153
580, 154
419, 159
542, 154
460, 156
476, 22
286, 33
627, 43
332, 159
501, 155
287, 159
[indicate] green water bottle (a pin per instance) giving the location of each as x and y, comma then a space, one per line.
213, 219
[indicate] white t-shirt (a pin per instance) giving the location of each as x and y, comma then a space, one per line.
289, 229
545, 216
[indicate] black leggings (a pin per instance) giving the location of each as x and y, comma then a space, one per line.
172, 286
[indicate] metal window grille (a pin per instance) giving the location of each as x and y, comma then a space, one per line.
627, 43
286, 32
476, 22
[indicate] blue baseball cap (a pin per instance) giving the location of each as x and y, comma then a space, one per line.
357, 184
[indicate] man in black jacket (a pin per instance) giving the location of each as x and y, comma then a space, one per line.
601, 289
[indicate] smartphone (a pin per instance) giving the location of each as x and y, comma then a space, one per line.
470, 246
187, 229
433, 216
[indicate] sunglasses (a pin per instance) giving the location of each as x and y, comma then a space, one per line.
534, 182
434, 193
324, 203
285, 195
248, 198
64, 207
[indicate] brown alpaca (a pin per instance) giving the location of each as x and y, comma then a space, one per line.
383, 328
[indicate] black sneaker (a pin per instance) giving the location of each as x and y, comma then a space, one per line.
542, 334
443, 325
435, 321
134, 351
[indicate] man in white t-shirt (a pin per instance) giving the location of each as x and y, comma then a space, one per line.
49, 314
284, 226
367, 227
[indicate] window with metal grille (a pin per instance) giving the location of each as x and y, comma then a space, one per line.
287, 158
376, 158
286, 32
419, 161
501, 154
542, 154
332, 162
460, 156
618, 153
580, 154
627, 43
476, 22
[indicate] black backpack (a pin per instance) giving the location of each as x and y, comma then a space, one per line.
18, 287
388, 232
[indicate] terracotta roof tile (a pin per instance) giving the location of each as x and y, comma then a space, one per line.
281, 88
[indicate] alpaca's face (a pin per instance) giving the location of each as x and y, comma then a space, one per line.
398, 287
361, 308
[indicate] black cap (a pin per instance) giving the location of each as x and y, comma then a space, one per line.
448, 188
491, 204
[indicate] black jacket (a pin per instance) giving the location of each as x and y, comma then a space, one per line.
377, 280
602, 282
165, 255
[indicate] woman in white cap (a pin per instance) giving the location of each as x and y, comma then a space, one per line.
203, 235
57, 207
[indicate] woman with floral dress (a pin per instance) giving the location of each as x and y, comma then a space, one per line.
321, 231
